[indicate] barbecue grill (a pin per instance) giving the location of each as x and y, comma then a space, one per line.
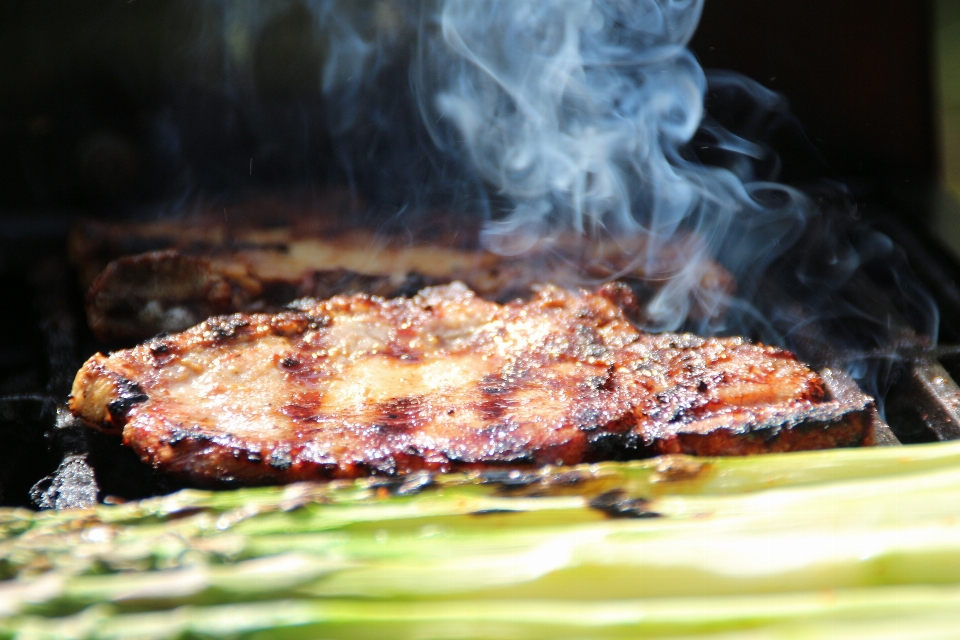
143, 111
83, 137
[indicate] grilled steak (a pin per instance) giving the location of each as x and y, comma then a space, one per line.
210, 269
446, 380
94, 243
139, 296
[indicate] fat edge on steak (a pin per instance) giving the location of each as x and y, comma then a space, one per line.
444, 381
192, 272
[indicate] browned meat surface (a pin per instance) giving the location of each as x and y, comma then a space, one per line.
137, 296
445, 381
94, 243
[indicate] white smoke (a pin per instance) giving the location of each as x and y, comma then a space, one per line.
579, 113
573, 123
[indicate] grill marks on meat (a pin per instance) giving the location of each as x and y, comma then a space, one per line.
445, 381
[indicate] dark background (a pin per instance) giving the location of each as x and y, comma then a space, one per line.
111, 105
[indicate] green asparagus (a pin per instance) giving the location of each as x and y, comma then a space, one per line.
668, 546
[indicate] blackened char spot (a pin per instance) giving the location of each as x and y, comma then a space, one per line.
617, 445
129, 393
177, 436
220, 329
159, 348
616, 504
509, 479
492, 512
567, 479
180, 435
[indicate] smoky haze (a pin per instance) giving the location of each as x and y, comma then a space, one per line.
575, 123
580, 114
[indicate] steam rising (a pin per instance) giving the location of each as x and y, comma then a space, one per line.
583, 123
575, 110
580, 113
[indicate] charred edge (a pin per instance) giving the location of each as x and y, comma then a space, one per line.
129, 393
493, 512
510, 480
221, 329
547, 485
616, 504
603, 382
304, 306
178, 436
617, 443
158, 347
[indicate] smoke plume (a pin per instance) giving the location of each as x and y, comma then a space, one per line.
589, 123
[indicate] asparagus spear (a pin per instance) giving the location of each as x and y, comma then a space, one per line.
667, 475
898, 530
838, 519
898, 612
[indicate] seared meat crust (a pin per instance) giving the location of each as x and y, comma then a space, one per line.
211, 270
445, 381
139, 296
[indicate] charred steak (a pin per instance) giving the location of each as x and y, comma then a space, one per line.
446, 380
